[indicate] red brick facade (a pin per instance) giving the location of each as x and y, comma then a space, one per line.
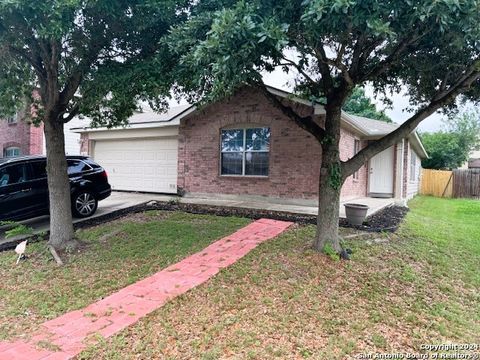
21, 134
353, 187
294, 157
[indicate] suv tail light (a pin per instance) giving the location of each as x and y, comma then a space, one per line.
104, 174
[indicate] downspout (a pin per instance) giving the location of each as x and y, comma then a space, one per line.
402, 162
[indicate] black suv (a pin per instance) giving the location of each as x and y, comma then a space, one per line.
24, 189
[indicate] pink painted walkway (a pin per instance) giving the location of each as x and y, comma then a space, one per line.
69, 334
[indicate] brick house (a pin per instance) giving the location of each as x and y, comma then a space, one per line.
245, 146
19, 137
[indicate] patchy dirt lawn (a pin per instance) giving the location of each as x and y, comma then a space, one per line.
418, 286
113, 256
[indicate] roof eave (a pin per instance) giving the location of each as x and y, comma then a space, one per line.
350, 124
141, 125
415, 139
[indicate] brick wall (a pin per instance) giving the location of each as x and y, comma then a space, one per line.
84, 144
22, 135
36, 140
352, 187
295, 155
14, 135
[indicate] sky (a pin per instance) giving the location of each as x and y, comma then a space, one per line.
397, 113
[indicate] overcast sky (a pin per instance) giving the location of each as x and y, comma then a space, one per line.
398, 114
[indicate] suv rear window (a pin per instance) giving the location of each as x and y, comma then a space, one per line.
39, 169
92, 163
77, 166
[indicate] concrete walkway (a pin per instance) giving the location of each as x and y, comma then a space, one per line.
303, 207
72, 332
123, 200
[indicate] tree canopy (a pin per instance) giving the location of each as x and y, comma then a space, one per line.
450, 148
360, 104
76, 57
429, 50
84, 57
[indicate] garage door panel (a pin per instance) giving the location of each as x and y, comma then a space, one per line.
139, 164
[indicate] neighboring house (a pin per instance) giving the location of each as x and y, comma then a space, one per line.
245, 146
19, 137
473, 161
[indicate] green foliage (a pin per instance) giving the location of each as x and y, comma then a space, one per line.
16, 229
93, 58
359, 104
229, 43
335, 176
450, 148
330, 252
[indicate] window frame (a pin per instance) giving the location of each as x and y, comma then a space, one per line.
413, 166
32, 169
244, 151
356, 148
26, 173
90, 168
10, 148
11, 120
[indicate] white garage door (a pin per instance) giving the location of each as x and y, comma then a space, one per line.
148, 165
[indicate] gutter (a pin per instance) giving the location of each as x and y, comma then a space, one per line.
140, 125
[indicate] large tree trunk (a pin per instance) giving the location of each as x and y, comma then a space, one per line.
330, 184
61, 226
328, 214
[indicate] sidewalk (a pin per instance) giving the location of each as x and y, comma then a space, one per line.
69, 334
122, 200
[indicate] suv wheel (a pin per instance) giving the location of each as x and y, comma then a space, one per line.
84, 204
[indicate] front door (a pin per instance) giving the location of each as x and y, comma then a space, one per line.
381, 174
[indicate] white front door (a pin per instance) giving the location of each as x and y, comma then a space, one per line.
148, 165
381, 174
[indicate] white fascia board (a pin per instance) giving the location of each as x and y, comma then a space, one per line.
415, 139
351, 125
175, 121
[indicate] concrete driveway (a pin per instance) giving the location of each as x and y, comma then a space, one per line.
116, 201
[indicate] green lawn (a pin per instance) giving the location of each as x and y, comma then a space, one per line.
283, 300
114, 255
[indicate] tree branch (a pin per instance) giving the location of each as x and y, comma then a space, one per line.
71, 114
324, 69
396, 53
36, 62
76, 77
353, 164
305, 122
443, 88
299, 69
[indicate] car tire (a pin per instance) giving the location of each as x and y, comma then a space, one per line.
84, 204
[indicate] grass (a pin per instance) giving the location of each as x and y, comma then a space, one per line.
283, 300
115, 254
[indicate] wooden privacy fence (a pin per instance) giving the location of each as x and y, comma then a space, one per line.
466, 183
436, 183
457, 183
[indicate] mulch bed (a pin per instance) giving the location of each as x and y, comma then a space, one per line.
387, 219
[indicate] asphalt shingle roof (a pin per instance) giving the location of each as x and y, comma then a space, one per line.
371, 127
